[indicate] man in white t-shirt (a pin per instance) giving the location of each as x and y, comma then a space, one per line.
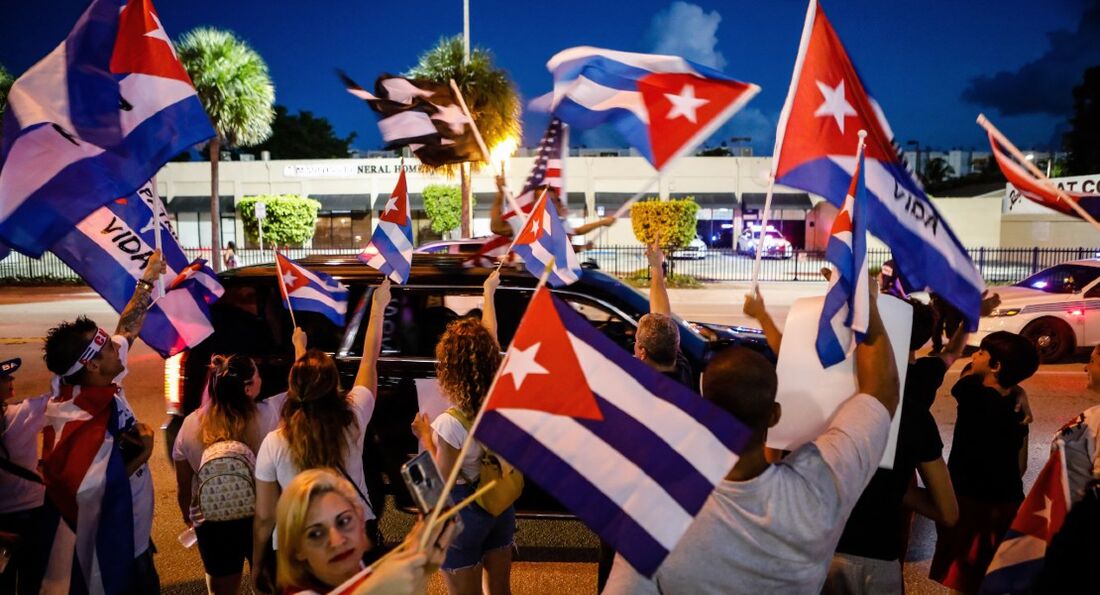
21, 488
81, 354
772, 527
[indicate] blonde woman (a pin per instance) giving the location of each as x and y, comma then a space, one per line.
322, 542
320, 426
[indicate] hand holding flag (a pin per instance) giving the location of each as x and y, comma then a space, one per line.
545, 247
310, 291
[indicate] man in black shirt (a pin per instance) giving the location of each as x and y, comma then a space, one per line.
875, 538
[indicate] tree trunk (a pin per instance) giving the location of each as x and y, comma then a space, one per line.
215, 208
467, 201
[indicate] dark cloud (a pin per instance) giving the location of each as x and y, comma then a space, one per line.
1045, 85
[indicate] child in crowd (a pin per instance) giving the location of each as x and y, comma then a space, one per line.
988, 459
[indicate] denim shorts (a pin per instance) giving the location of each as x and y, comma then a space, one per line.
481, 532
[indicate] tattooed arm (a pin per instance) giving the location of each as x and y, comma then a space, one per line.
133, 315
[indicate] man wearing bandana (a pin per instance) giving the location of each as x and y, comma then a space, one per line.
89, 365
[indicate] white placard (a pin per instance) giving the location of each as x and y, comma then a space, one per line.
261, 211
811, 394
429, 398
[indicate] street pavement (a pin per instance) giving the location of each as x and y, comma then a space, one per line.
556, 556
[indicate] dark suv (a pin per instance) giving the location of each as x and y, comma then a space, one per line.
250, 320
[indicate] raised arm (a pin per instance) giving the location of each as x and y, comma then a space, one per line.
754, 307
876, 370
497, 224
300, 341
489, 307
587, 227
658, 289
133, 315
957, 343
372, 340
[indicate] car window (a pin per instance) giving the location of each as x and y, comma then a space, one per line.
414, 319
1063, 278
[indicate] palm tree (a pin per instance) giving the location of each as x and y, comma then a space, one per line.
6, 81
235, 88
937, 170
489, 93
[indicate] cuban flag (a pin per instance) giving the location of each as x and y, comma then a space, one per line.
846, 312
1019, 558
632, 453
88, 508
92, 121
202, 278
663, 106
1032, 189
826, 106
549, 171
110, 249
390, 249
311, 291
543, 239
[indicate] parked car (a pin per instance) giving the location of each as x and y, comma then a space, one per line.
696, 250
1058, 308
251, 320
775, 245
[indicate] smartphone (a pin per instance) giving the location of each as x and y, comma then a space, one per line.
424, 482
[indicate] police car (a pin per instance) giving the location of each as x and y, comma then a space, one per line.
1058, 308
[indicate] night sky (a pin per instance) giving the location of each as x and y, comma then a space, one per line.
932, 65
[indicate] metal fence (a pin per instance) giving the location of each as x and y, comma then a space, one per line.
996, 265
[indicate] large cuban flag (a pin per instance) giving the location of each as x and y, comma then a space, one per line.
542, 240
390, 249
92, 122
826, 107
632, 453
846, 313
311, 291
89, 508
110, 249
664, 106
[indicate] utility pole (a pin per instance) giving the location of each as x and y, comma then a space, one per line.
466, 226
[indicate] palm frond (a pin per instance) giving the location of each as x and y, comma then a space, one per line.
232, 82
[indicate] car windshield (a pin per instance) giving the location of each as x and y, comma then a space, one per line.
1063, 278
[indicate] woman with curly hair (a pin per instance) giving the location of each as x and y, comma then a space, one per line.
320, 426
468, 356
230, 414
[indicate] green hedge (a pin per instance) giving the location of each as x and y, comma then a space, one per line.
290, 222
674, 220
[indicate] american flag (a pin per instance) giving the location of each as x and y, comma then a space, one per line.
549, 171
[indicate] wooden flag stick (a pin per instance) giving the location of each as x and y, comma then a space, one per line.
473, 124
453, 476
1035, 171
626, 205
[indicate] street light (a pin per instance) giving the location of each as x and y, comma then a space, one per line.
737, 161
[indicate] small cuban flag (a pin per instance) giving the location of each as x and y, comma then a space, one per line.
310, 291
846, 313
542, 240
390, 248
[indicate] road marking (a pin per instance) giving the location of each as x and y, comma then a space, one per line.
20, 340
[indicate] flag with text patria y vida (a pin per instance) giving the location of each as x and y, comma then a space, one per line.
311, 291
826, 107
663, 106
630, 452
542, 243
110, 249
846, 312
426, 116
92, 122
1031, 188
390, 249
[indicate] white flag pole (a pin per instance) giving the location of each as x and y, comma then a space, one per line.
282, 287
157, 214
626, 205
1035, 171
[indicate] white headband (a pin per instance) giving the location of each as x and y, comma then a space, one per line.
98, 341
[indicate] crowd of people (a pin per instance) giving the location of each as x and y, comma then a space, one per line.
280, 483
